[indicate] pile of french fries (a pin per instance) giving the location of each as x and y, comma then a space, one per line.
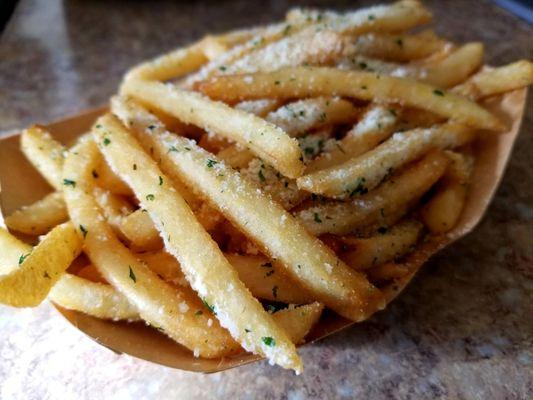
239, 186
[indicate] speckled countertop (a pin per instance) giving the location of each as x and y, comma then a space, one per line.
463, 329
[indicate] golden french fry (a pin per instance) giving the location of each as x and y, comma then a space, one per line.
265, 139
386, 204
265, 279
395, 17
361, 174
308, 47
139, 230
321, 81
236, 156
364, 253
114, 207
268, 280
107, 179
442, 211
204, 265
45, 153
283, 190
397, 47
171, 310
376, 125
213, 47
39, 217
387, 271
96, 299
298, 321
299, 117
444, 72
27, 283
258, 107
490, 82
306, 259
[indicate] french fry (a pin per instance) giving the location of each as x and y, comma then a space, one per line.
140, 231
236, 156
297, 118
361, 174
489, 82
397, 47
387, 272
173, 311
213, 47
258, 107
322, 81
443, 210
204, 265
268, 280
395, 17
299, 321
308, 47
283, 190
114, 207
305, 258
386, 204
171, 65
27, 283
364, 253
45, 154
266, 140
107, 179
39, 217
96, 299
444, 72
265, 279
260, 39
376, 125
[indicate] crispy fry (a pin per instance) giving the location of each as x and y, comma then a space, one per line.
489, 82
264, 139
167, 308
139, 229
314, 81
443, 72
39, 217
107, 179
386, 204
397, 47
305, 258
96, 299
258, 107
443, 210
364, 253
299, 321
265, 279
27, 283
301, 116
45, 153
205, 267
268, 280
376, 124
387, 271
395, 17
114, 207
361, 174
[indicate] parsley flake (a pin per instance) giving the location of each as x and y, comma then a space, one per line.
269, 341
106, 141
211, 163
261, 176
438, 92
83, 230
23, 257
132, 275
68, 182
150, 197
209, 306
316, 218
160, 180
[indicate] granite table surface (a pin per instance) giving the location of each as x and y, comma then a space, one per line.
462, 330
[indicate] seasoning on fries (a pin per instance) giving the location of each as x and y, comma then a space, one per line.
238, 187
